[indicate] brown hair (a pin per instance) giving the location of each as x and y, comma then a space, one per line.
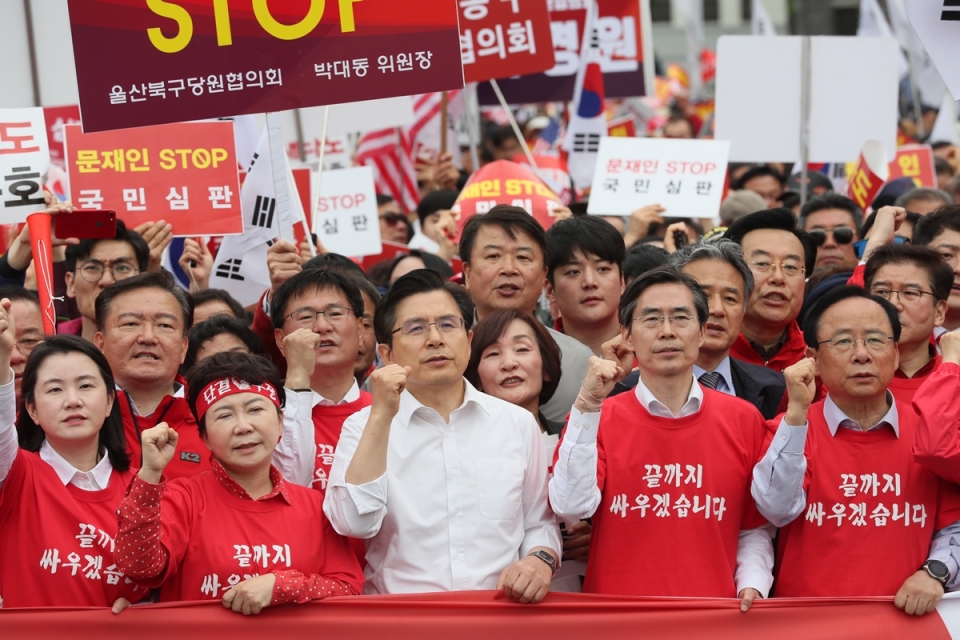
489, 331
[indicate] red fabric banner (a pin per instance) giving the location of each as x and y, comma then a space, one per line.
484, 615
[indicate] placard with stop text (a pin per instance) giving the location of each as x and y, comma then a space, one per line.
346, 219
184, 173
684, 176
24, 162
157, 61
504, 38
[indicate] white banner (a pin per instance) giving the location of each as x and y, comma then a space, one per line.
684, 176
24, 162
346, 218
937, 23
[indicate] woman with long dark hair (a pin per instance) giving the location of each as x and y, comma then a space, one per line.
63, 471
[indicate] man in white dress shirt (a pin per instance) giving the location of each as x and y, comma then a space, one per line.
447, 484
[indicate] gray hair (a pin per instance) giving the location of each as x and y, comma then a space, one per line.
723, 250
924, 194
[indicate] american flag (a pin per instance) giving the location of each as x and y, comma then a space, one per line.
546, 143
390, 152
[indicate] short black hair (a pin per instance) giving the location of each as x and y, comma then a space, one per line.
501, 134
592, 235
831, 201
661, 275
219, 295
162, 280
14, 292
430, 261
938, 271
383, 198
933, 224
230, 364
640, 258
941, 165
333, 261
509, 218
940, 144
811, 323
912, 218
440, 200
924, 194
363, 283
756, 172
411, 284
213, 327
82, 251
314, 279
780, 219
31, 435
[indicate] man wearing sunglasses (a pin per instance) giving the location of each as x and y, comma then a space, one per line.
833, 222
393, 224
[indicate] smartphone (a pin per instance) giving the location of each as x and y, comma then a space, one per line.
680, 239
85, 224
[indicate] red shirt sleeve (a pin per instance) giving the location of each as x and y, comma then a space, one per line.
936, 443
140, 554
856, 278
340, 574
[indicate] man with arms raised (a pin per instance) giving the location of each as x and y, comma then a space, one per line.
447, 485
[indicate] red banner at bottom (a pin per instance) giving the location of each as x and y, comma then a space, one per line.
484, 615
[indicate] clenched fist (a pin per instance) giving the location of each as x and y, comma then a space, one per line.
801, 381
386, 385
159, 445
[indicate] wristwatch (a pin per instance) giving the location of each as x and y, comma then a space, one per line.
938, 571
550, 560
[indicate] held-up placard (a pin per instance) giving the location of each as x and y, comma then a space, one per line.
684, 176
184, 173
346, 221
142, 63
504, 38
24, 161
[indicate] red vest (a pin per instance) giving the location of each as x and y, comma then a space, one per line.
790, 353
57, 542
871, 513
675, 494
192, 455
327, 424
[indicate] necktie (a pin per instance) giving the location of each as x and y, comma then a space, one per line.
711, 380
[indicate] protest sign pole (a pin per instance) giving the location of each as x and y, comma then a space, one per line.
278, 160
915, 93
443, 121
323, 148
804, 117
471, 110
516, 127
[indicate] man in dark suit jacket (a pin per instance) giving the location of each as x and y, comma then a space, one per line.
726, 278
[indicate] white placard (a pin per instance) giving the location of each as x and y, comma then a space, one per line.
358, 117
24, 162
938, 26
346, 219
684, 176
854, 88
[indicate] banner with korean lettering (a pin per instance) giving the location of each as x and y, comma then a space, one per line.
346, 219
142, 63
684, 176
626, 54
504, 38
481, 615
505, 182
57, 118
914, 161
24, 162
184, 173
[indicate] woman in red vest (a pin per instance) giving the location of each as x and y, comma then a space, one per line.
61, 484
238, 533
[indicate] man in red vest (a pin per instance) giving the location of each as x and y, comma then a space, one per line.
874, 521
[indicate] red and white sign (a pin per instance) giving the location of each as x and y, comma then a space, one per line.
505, 182
914, 161
869, 174
346, 220
24, 161
57, 118
184, 173
686, 177
504, 38
625, 127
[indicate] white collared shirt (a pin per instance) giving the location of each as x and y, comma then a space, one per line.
351, 396
459, 501
726, 376
97, 479
657, 408
834, 416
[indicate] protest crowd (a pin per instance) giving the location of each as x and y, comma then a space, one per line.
519, 391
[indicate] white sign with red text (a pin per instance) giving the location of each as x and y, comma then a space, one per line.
24, 162
346, 220
684, 176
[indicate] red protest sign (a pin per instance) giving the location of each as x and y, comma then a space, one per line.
183, 173
504, 38
620, 28
505, 182
915, 161
142, 63
56, 119
624, 127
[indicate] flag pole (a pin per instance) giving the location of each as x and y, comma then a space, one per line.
278, 167
323, 148
516, 127
443, 121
